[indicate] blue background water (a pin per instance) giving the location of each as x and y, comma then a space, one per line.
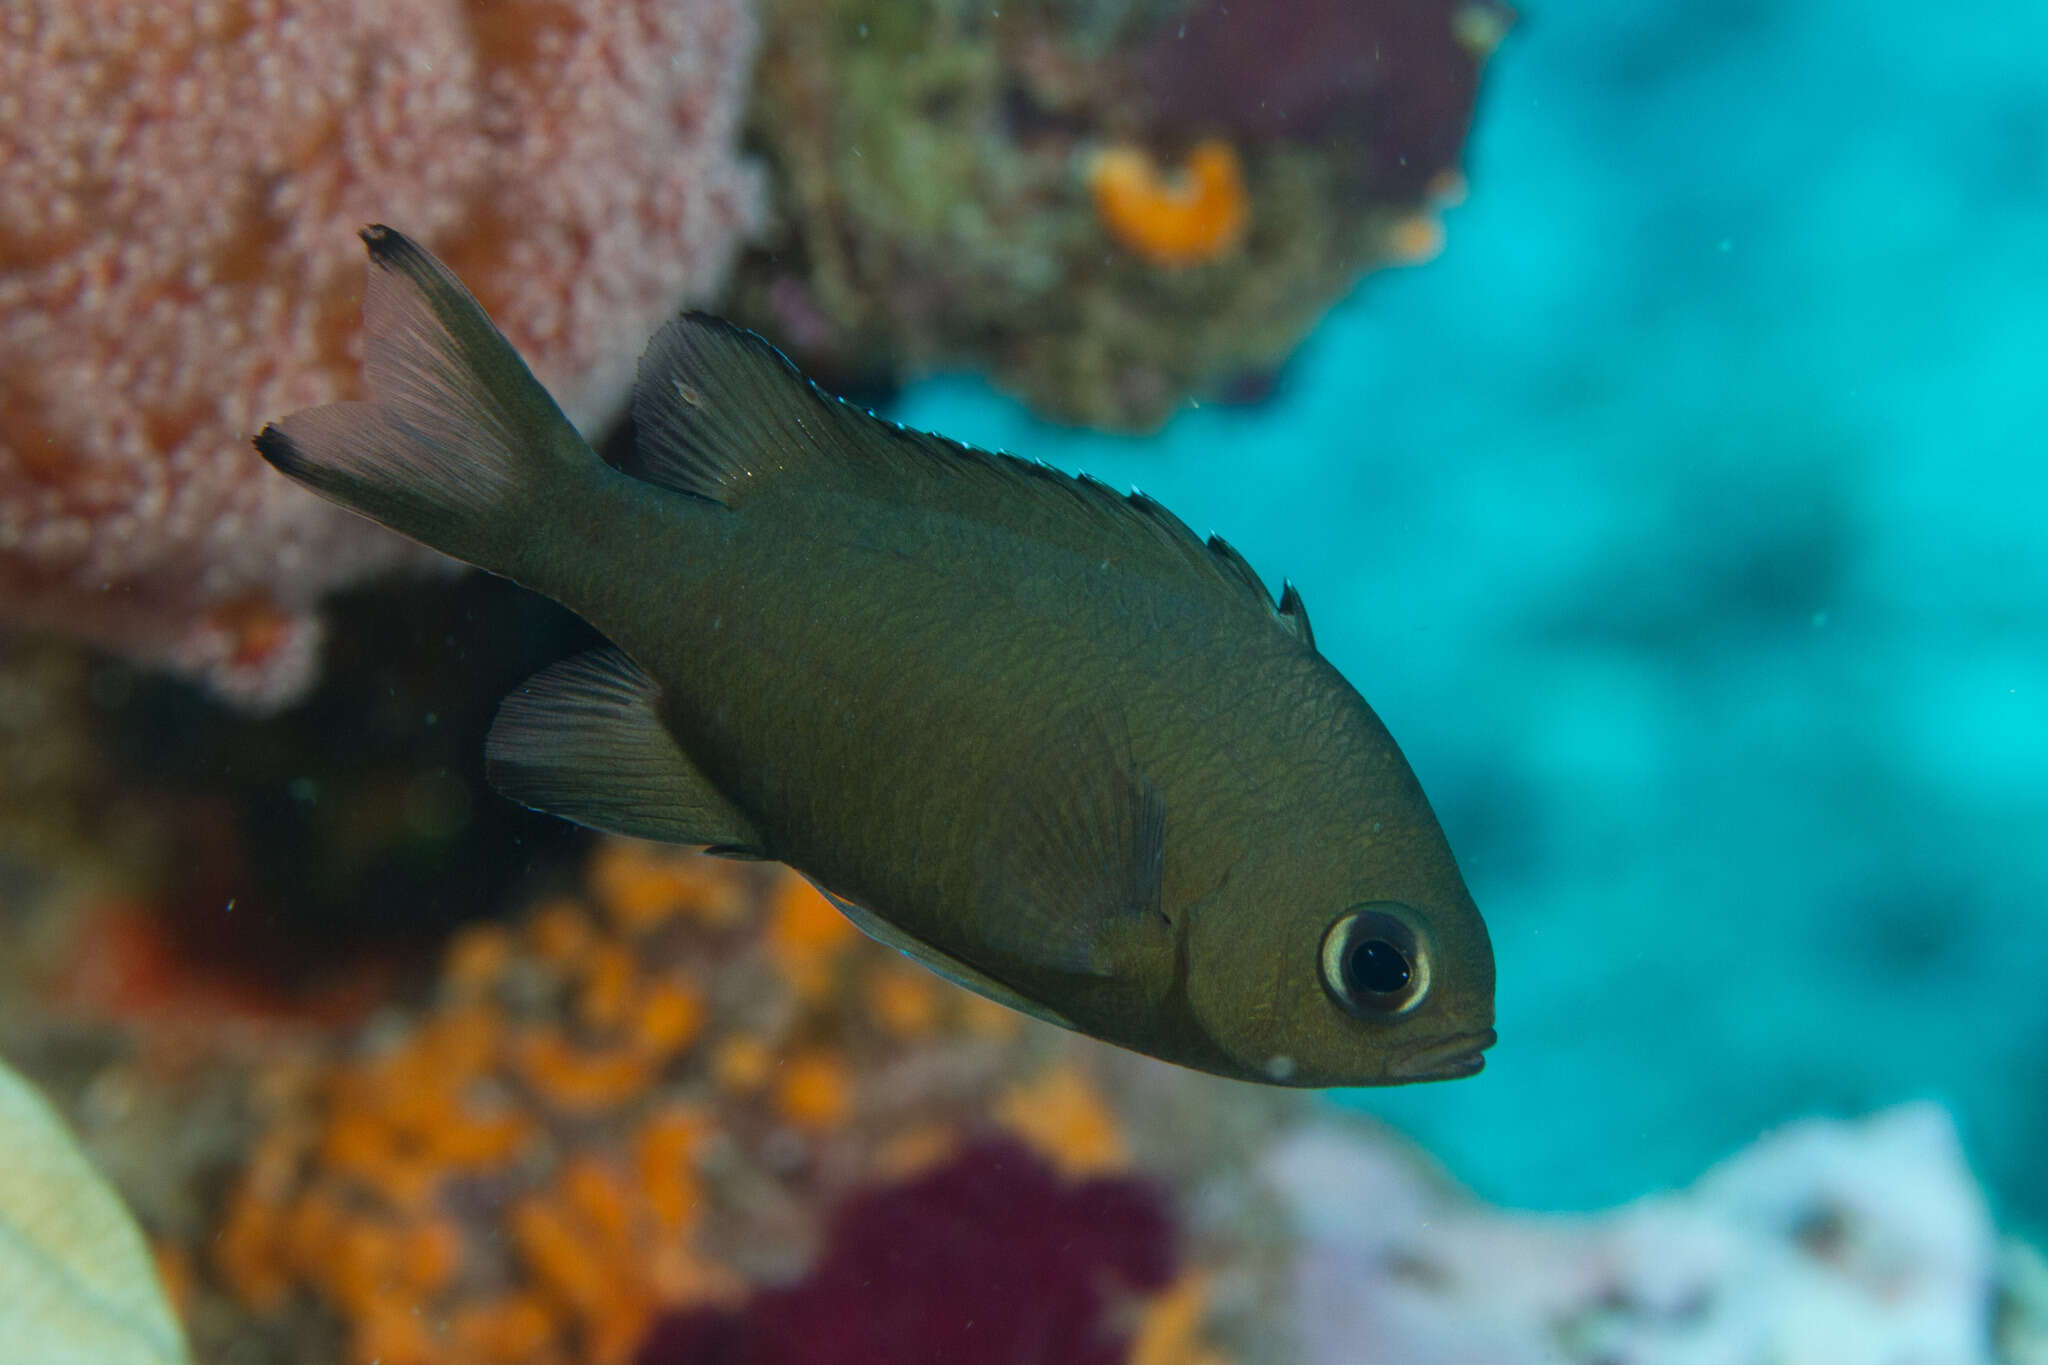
1688, 523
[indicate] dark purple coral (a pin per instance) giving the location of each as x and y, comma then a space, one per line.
991, 1258
1401, 75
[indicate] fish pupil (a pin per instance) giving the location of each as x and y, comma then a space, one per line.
1377, 966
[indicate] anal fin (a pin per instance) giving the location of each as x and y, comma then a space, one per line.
946, 965
582, 740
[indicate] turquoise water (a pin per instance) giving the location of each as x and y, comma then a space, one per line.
1687, 521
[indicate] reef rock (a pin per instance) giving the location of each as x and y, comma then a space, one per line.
1826, 1243
1112, 209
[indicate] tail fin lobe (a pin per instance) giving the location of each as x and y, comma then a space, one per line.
459, 443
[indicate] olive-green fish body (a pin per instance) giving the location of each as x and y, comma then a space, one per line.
1034, 733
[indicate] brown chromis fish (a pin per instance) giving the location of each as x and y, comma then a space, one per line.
1034, 733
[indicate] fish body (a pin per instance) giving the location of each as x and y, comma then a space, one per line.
1034, 733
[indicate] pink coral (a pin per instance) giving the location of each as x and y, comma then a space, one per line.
180, 185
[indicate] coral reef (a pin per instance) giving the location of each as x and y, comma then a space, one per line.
179, 192
1826, 1242
647, 1097
683, 1115
1002, 186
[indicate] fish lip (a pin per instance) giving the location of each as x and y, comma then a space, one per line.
1446, 1059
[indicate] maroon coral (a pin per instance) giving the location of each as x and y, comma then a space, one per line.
991, 1258
180, 185
1400, 74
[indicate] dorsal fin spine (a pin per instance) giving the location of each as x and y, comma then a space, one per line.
1294, 613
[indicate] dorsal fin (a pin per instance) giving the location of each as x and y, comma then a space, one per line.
715, 407
1236, 565
721, 414
1294, 613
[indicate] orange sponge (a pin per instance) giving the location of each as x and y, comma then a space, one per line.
1185, 217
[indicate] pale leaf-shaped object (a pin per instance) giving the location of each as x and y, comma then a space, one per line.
77, 1285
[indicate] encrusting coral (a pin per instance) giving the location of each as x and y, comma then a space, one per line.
648, 1098
180, 187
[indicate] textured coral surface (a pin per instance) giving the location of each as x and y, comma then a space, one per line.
180, 185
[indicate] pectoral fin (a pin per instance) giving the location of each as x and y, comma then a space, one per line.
1074, 853
583, 740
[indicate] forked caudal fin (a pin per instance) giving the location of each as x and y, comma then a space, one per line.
458, 445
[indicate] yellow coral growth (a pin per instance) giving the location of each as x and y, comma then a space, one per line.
1170, 1331
741, 1063
1415, 240
666, 1150
562, 1026
476, 958
815, 1090
576, 1079
640, 885
915, 1149
559, 932
1185, 217
668, 1018
1066, 1118
903, 1000
805, 936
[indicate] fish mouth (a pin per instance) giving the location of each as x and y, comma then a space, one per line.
1447, 1059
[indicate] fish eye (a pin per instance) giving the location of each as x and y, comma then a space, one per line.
1375, 960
